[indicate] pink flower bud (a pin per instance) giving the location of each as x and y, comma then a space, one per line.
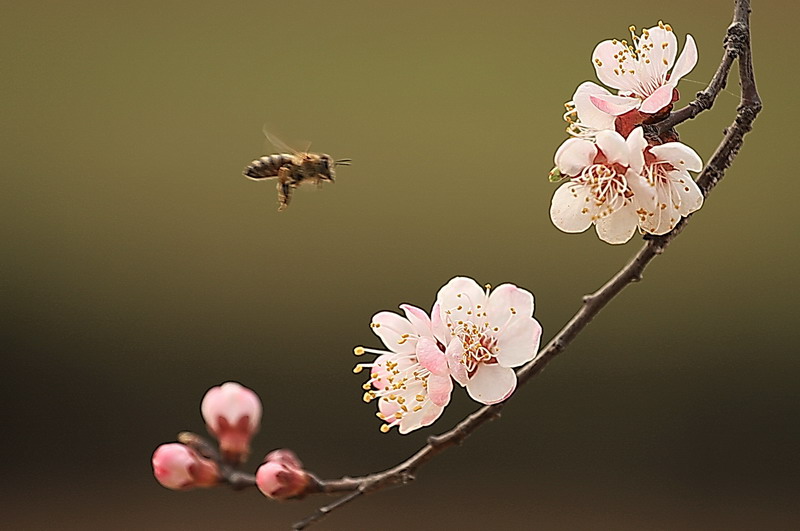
281, 481
178, 467
285, 457
232, 414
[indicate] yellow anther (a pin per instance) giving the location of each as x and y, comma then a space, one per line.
385, 428
358, 368
398, 415
368, 397
420, 398
380, 415
359, 351
417, 408
631, 28
367, 386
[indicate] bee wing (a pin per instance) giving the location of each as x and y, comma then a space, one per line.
279, 144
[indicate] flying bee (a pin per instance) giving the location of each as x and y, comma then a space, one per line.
292, 169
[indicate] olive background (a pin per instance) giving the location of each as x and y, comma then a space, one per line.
140, 267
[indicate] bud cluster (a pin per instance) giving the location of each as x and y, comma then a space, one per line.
232, 414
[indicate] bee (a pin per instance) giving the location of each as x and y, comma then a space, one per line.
292, 169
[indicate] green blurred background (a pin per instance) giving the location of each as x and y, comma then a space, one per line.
140, 268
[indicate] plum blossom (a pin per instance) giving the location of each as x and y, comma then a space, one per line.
671, 193
584, 119
232, 414
178, 467
641, 71
488, 335
603, 177
410, 395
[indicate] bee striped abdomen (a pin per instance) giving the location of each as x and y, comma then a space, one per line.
268, 166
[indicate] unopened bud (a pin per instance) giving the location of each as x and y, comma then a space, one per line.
284, 456
178, 467
232, 414
281, 481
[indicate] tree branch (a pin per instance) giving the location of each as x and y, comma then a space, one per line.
737, 46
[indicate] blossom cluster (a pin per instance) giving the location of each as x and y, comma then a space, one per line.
473, 336
615, 178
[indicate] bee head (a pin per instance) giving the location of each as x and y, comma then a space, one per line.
326, 165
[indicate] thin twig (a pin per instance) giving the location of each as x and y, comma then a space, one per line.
737, 46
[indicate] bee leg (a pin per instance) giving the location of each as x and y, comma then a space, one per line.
284, 186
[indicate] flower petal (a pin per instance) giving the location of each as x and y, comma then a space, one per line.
636, 144
613, 147
431, 357
459, 298
491, 384
589, 114
619, 226
418, 318
686, 61
614, 65
574, 155
571, 206
438, 326
508, 300
519, 342
657, 100
691, 196
455, 362
679, 155
659, 46
439, 389
614, 105
391, 328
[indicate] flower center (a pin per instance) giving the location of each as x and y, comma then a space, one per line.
479, 346
607, 184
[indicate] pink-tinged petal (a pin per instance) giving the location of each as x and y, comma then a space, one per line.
519, 342
588, 113
571, 207
614, 105
574, 155
661, 48
686, 62
613, 147
438, 326
691, 196
459, 299
619, 226
418, 319
506, 301
430, 413
455, 362
636, 145
491, 384
439, 389
657, 100
679, 155
394, 331
613, 63
431, 357
419, 419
